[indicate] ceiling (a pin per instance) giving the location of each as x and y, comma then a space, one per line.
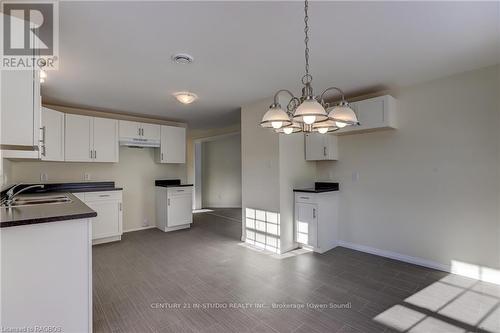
115, 56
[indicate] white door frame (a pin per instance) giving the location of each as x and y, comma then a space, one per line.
198, 167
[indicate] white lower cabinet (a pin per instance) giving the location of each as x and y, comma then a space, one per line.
107, 225
316, 220
174, 207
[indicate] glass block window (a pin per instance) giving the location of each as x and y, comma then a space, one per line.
262, 229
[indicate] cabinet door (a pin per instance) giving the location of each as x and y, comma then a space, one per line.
52, 135
107, 221
370, 112
17, 105
78, 138
129, 129
306, 223
315, 147
150, 131
173, 144
105, 140
179, 210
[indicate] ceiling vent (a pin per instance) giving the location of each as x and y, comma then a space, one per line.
182, 58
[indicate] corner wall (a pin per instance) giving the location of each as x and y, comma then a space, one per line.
430, 188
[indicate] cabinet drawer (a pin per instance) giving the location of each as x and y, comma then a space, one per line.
305, 197
103, 195
179, 190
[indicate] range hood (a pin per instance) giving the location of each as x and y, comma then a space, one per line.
140, 143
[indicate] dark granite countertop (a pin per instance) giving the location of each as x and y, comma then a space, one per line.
319, 187
71, 187
170, 183
43, 213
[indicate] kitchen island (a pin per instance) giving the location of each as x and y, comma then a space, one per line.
46, 264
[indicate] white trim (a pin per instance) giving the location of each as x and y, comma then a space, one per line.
140, 228
216, 137
396, 256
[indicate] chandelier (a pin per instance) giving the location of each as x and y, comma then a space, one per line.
308, 113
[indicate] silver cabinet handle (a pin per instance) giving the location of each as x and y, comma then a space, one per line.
168, 202
139, 131
95, 154
314, 213
42, 141
120, 206
324, 151
103, 195
162, 157
305, 198
91, 156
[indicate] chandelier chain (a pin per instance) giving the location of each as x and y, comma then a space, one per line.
307, 78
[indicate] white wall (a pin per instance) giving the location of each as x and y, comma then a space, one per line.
429, 189
136, 173
221, 172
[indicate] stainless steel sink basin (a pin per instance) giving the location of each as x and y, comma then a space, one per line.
37, 200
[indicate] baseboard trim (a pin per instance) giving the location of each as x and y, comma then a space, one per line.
396, 256
140, 228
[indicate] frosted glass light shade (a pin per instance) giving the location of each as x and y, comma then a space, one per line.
275, 117
325, 126
343, 114
310, 111
295, 127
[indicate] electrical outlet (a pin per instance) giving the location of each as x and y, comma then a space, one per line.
355, 176
44, 177
145, 223
86, 176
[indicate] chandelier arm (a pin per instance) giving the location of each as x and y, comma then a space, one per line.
342, 95
279, 92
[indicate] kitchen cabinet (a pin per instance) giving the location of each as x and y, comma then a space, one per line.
321, 147
90, 139
172, 145
174, 207
107, 226
20, 105
316, 220
47, 277
52, 141
374, 114
105, 143
139, 131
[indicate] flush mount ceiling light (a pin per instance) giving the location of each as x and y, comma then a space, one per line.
307, 113
182, 58
185, 97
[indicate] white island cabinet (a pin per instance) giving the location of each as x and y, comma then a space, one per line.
174, 207
46, 276
316, 220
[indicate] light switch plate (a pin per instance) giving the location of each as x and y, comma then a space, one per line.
355, 176
44, 177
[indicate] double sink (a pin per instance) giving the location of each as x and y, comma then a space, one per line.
30, 200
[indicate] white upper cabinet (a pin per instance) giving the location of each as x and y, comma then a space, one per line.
78, 143
374, 114
150, 131
105, 140
140, 131
90, 139
321, 147
52, 142
129, 129
20, 108
172, 145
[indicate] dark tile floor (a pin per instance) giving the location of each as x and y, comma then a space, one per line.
205, 280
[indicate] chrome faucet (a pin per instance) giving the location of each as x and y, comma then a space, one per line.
11, 194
